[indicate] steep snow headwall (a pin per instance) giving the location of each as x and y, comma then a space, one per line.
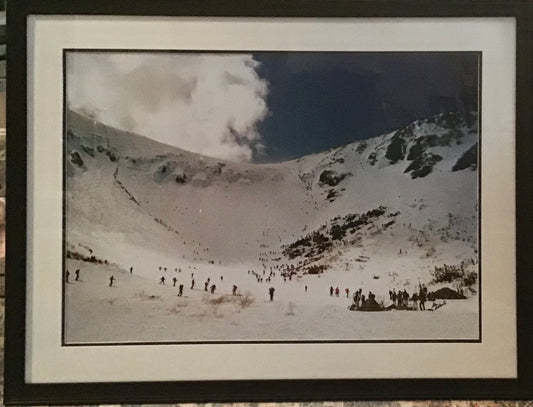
129, 197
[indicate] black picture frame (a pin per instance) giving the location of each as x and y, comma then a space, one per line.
18, 391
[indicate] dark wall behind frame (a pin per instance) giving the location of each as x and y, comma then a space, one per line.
19, 392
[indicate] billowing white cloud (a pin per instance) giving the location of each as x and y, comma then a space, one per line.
206, 103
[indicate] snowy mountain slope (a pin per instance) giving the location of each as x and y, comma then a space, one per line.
383, 213
183, 207
413, 174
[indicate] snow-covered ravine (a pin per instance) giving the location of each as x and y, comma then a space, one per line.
381, 214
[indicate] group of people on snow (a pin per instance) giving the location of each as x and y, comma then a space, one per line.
399, 299
76, 273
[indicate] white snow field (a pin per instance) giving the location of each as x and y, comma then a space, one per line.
387, 213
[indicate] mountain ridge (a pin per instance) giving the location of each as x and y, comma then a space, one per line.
128, 194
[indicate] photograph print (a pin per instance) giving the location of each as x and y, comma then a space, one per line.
222, 197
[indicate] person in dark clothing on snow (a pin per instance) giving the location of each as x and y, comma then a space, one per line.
415, 301
400, 298
180, 293
77, 272
206, 285
422, 300
174, 281
192, 284
331, 290
356, 299
234, 290
111, 279
271, 293
67, 274
162, 280
213, 288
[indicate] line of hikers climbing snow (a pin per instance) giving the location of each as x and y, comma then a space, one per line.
208, 286
400, 300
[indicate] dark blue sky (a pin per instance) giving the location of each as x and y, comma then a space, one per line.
323, 100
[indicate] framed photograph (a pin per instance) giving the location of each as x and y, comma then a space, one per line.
268, 201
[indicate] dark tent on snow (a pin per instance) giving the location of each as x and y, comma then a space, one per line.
446, 293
